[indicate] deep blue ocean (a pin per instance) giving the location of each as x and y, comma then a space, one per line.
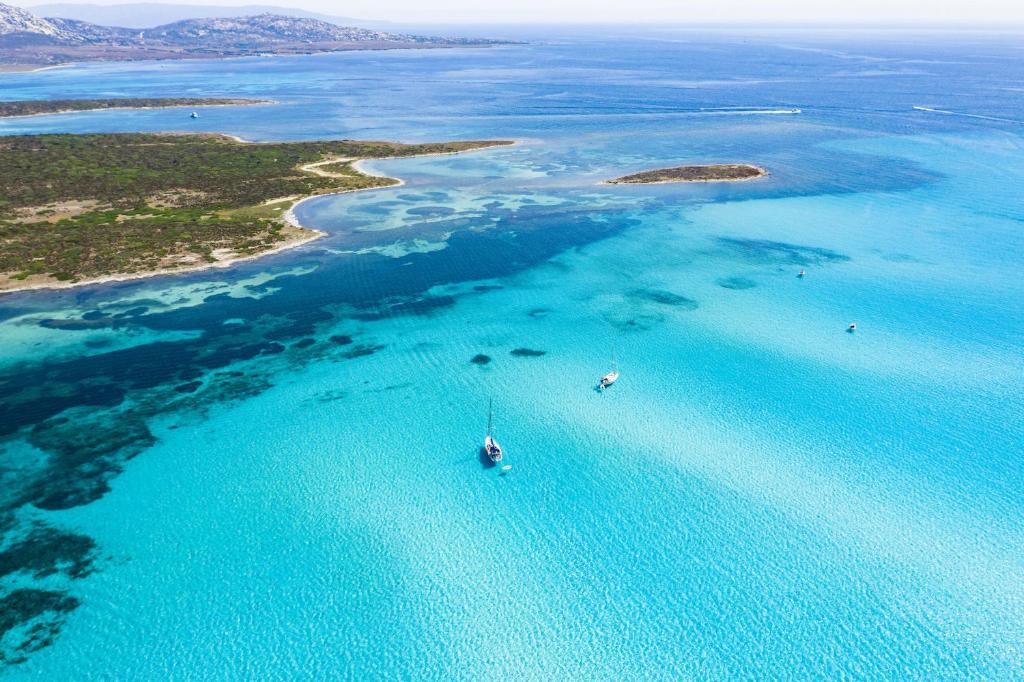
273, 471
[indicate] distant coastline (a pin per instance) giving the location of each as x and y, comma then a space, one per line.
28, 41
30, 108
725, 172
71, 58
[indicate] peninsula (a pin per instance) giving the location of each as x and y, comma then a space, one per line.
725, 172
63, 106
100, 207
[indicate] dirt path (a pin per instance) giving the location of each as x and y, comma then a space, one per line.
314, 167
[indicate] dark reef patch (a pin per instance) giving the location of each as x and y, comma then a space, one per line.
662, 297
240, 351
422, 306
362, 350
638, 322
341, 339
487, 287
902, 257
767, 252
538, 312
30, 619
47, 551
34, 407
419, 305
527, 353
131, 312
86, 451
190, 387
481, 359
390, 387
330, 396
430, 211
77, 325
304, 343
98, 344
190, 373
736, 283
226, 387
303, 323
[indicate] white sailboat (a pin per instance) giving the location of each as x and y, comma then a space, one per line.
611, 377
491, 446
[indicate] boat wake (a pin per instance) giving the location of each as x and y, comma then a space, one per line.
747, 111
966, 115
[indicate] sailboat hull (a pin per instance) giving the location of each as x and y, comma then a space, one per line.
493, 449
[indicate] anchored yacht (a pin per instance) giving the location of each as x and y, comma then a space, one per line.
611, 377
491, 446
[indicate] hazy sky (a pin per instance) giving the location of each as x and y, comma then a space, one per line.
640, 11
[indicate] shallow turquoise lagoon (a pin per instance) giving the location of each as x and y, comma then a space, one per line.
274, 471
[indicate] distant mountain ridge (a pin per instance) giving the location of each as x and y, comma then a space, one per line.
15, 21
152, 14
27, 38
269, 28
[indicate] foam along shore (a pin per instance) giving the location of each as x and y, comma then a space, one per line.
52, 107
279, 210
724, 172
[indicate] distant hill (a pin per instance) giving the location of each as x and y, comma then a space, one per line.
28, 39
267, 28
17, 24
150, 14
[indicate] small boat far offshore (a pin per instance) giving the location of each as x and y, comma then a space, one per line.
852, 328
491, 446
611, 377
801, 274
193, 115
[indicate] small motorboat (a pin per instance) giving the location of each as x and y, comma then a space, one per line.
852, 328
491, 447
801, 274
194, 115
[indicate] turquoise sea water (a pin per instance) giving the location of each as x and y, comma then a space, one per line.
273, 471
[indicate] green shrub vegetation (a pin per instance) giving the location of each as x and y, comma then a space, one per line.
83, 206
721, 172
